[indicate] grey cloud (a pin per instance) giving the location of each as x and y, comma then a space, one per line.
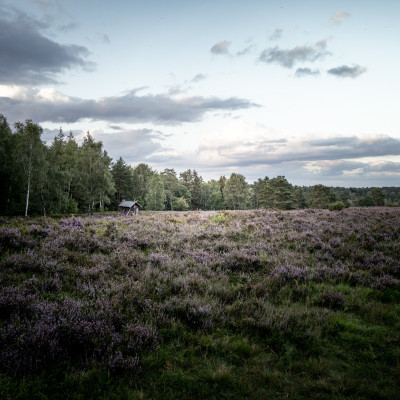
288, 58
302, 72
28, 57
245, 51
221, 47
334, 141
345, 71
67, 27
306, 151
134, 146
129, 108
199, 77
276, 34
338, 17
346, 167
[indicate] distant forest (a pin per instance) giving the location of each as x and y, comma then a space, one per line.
67, 178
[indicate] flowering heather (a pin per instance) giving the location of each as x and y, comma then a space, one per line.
261, 290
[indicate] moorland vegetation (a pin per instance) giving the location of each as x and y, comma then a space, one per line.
250, 304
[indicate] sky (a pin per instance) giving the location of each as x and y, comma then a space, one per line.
308, 89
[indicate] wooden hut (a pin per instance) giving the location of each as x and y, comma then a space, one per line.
129, 207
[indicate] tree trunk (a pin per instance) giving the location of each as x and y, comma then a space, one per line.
27, 194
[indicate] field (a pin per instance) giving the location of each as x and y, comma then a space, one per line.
202, 305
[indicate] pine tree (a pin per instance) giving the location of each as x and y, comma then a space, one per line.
320, 196
95, 179
123, 181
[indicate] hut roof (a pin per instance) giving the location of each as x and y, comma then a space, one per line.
129, 204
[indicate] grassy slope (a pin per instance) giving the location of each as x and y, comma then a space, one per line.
246, 304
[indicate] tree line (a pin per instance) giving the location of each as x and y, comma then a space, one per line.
67, 178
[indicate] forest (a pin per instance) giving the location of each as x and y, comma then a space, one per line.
66, 178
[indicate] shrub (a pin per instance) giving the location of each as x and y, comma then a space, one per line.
337, 206
331, 299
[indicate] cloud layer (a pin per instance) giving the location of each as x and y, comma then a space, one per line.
261, 151
129, 108
30, 58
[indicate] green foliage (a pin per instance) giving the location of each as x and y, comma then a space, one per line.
155, 197
180, 204
94, 176
193, 183
220, 219
320, 196
141, 176
236, 192
123, 180
337, 206
276, 193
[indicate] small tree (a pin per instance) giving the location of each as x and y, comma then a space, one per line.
30, 153
320, 196
181, 204
236, 192
378, 197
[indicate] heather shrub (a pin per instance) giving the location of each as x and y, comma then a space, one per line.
283, 274
38, 332
330, 299
192, 311
12, 239
28, 261
240, 304
72, 224
15, 301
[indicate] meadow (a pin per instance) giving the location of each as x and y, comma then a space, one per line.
202, 305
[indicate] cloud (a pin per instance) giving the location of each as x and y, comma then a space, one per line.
245, 51
221, 47
28, 57
276, 34
302, 72
354, 168
345, 71
264, 152
134, 146
288, 58
50, 105
338, 17
68, 27
199, 77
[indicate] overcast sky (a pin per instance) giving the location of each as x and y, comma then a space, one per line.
309, 89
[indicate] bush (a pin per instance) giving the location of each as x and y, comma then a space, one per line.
337, 206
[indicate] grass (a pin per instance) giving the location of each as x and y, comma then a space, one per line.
199, 305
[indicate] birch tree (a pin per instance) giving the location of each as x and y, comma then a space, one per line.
30, 151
